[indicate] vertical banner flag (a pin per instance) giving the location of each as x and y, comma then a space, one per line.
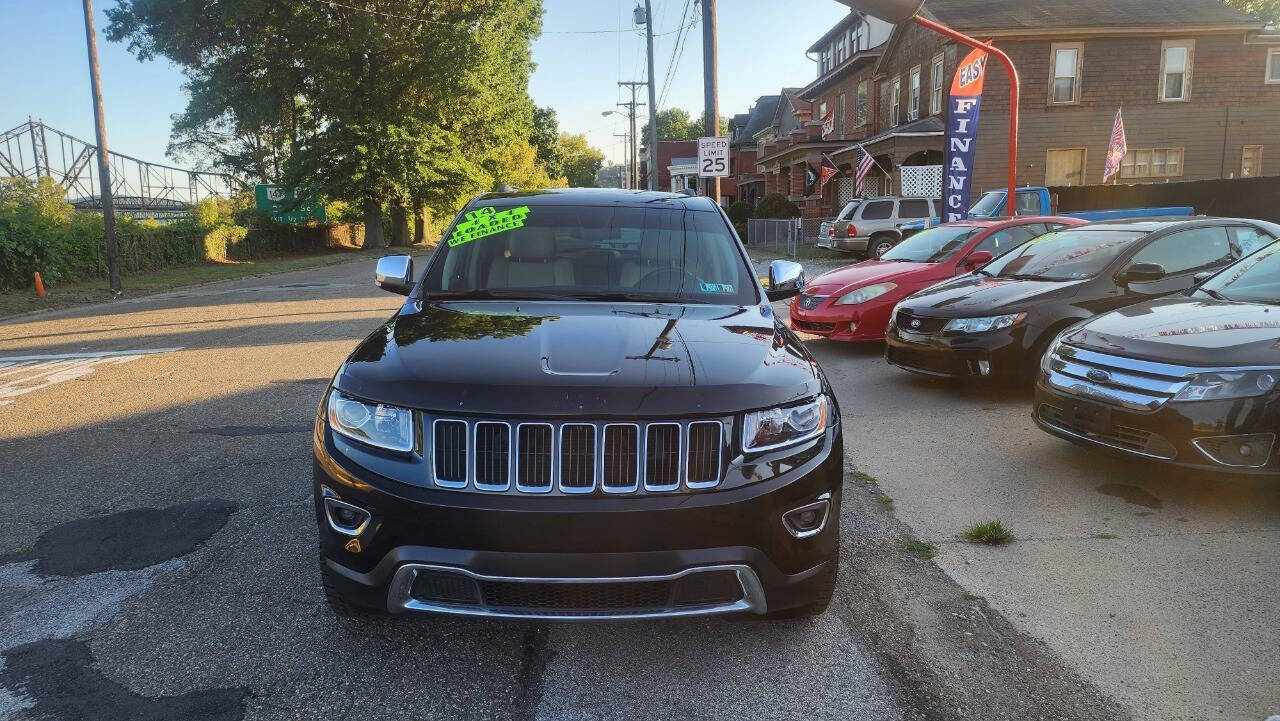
1116, 150
829, 122
962, 134
826, 171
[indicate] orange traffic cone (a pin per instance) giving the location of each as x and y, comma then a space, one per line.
39, 285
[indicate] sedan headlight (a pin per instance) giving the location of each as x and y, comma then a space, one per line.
982, 325
866, 293
376, 424
1229, 384
778, 427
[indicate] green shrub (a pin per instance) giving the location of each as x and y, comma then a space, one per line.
224, 241
776, 205
740, 212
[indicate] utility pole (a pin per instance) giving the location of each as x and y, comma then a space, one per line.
653, 100
631, 107
711, 95
625, 175
104, 164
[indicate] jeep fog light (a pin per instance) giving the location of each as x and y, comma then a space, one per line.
809, 519
345, 518
984, 368
1244, 451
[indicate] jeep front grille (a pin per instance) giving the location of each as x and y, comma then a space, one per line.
576, 457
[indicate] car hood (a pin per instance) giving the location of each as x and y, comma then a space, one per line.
581, 358
1187, 331
852, 277
971, 296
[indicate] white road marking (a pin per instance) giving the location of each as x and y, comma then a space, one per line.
20, 375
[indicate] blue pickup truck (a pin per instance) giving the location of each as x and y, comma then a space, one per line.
1037, 201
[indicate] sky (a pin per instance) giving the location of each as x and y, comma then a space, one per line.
762, 44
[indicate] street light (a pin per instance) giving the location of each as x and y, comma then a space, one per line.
900, 11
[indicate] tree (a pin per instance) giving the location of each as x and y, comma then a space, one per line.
392, 104
545, 138
1266, 10
581, 161
700, 125
673, 124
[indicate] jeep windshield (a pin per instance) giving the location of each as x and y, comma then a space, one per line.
933, 245
1064, 255
556, 252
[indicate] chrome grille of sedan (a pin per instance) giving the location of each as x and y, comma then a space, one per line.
1127, 382
576, 457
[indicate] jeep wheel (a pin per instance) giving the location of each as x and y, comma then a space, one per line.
826, 588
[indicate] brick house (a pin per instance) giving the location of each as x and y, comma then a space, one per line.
747, 177
681, 155
1198, 82
822, 117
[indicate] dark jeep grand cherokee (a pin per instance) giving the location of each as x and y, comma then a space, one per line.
586, 409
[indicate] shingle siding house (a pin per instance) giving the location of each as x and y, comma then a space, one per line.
1198, 82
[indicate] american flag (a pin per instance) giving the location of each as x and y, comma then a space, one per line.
864, 169
1117, 150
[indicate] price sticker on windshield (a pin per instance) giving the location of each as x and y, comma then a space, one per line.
713, 157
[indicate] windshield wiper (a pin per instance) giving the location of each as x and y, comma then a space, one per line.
494, 295
1027, 276
609, 296
1213, 294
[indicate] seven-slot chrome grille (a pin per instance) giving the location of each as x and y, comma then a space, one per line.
576, 457
1127, 382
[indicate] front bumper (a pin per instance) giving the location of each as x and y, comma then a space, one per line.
863, 323
540, 550
1166, 435
1001, 354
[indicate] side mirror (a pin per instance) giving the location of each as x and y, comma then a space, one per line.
1202, 276
394, 274
786, 278
1141, 273
977, 259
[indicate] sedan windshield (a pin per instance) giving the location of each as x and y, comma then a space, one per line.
987, 204
586, 253
933, 245
1064, 255
1254, 279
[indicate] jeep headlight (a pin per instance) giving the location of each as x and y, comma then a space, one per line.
376, 424
865, 293
777, 427
1229, 384
984, 324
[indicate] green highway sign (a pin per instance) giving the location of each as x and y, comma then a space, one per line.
279, 202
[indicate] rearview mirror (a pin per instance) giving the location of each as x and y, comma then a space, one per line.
394, 274
786, 278
1141, 273
977, 258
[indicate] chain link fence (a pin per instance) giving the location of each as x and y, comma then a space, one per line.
786, 235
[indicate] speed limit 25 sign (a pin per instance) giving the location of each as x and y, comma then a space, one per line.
713, 157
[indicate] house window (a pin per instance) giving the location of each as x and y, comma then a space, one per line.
1175, 70
824, 62
840, 108
1251, 161
1064, 84
860, 104
895, 95
1273, 66
856, 38
1064, 166
913, 108
840, 53
935, 90
822, 110
1152, 163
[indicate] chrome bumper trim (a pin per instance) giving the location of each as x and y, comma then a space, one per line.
400, 597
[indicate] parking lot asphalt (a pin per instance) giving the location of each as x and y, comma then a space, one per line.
158, 556
1158, 586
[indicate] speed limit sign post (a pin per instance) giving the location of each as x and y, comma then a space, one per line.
713, 157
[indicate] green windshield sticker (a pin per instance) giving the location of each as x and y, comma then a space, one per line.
715, 287
487, 221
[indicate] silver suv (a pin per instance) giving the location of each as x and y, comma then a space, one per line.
871, 225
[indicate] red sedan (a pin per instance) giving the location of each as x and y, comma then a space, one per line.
853, 303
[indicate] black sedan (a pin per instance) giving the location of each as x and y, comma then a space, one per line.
997, 322
1190, 379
